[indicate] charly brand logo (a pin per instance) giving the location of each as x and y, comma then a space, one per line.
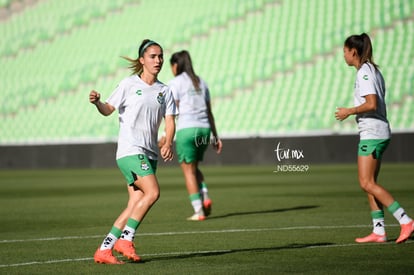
285, 156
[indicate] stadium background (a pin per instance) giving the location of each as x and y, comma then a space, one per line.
275, 70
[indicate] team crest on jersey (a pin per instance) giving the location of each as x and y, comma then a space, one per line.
144, 166
161, 98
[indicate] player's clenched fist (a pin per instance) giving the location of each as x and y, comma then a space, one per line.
166, 152
94, 97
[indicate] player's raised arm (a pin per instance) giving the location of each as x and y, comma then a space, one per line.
104, 108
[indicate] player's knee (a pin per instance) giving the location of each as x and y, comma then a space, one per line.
153, 196
366, 184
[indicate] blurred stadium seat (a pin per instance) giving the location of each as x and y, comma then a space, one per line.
274, 67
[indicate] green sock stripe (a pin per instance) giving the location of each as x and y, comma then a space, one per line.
116, 231
203, 185
194, 197
393, 207
133, 223
377, 214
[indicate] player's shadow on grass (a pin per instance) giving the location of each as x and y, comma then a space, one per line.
296, 208
188, 255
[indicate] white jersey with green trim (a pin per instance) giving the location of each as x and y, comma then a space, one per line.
371, 125
192, 103
141, 108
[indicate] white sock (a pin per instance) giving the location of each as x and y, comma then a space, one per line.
401, 216
109, 241
204, 191
379, 226
128, 233
197, 206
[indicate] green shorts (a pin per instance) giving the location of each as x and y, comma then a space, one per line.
376, 147
136, 166
191, 143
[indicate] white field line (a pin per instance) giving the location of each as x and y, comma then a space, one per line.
196, 232
179, 253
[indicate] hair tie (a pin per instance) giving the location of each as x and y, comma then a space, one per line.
146, 45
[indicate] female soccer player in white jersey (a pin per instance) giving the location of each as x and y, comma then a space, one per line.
142, 101
375, 134
194, 125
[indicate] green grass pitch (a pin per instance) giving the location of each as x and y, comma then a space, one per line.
262, 222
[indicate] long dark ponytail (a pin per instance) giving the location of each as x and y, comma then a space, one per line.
184, 64
362, 44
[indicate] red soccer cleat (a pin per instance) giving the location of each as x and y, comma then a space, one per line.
127, 249
196, 217
406, 231
106, 257
207, 207
372, 238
